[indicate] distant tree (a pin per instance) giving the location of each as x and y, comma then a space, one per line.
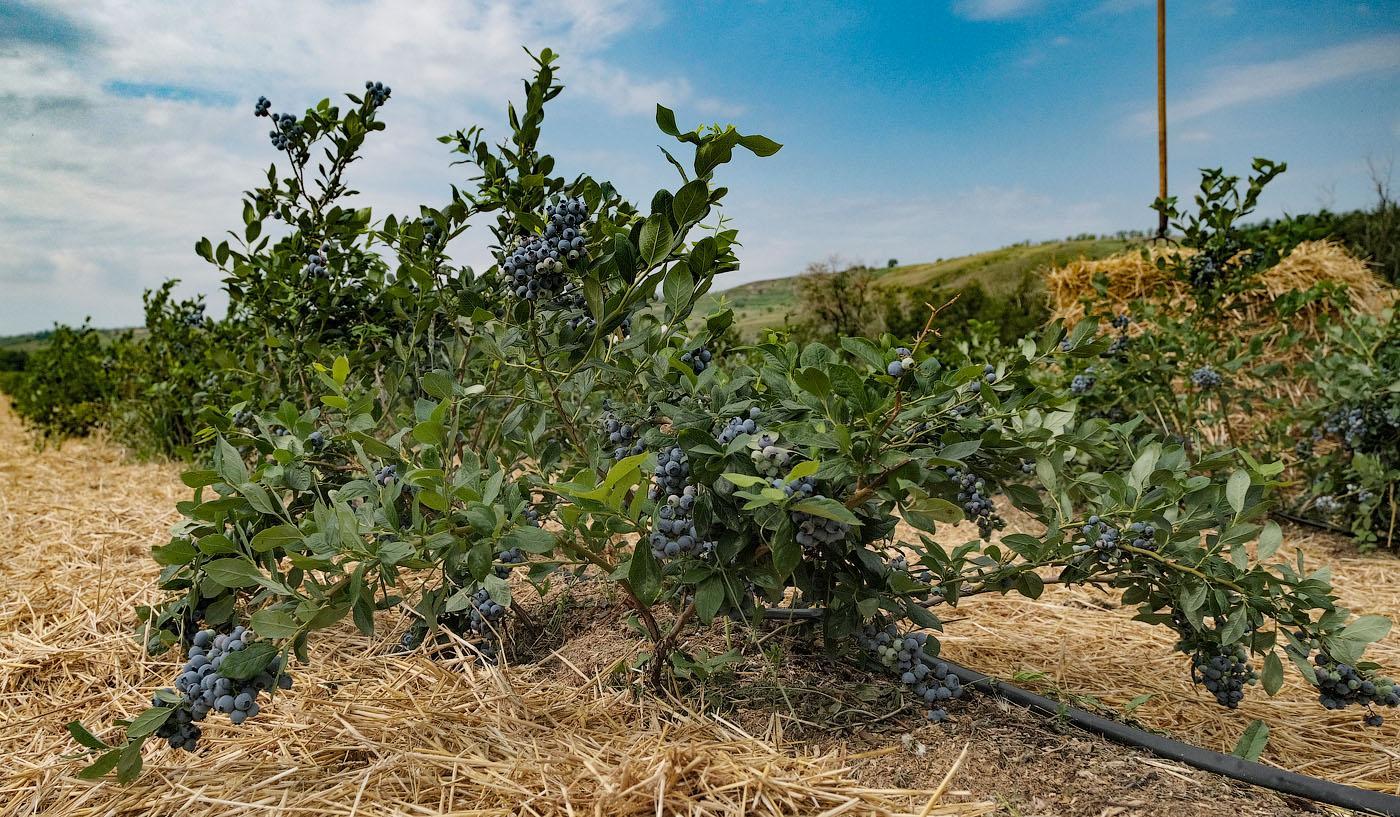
836, 299
893, 262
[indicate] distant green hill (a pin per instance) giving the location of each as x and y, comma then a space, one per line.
33, 341
764, 304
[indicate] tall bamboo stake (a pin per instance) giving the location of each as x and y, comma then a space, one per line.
1162, 112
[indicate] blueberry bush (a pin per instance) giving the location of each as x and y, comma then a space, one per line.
406, 439
1191, 373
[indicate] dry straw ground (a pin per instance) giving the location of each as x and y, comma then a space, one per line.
366, 732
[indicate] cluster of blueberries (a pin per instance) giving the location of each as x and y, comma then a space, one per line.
1328, 505
1202, 270
1107, 538
972, 496
243, 419
904, 656
699, 360
514, 556
285, 128
900, 562
904, 362
205, 689
484, 613
1341, 686
1083, 382
317, 440
386, 475
673, 532
1120, 323
1347, 423
193, 315
989, 374
1224, 672
377, 93
431, 236
316, 263
534, 269
536, 265
812, 531
740, 425
622, 436
1206, 377
768, 457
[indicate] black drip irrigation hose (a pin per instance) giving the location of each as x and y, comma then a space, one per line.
1312, 523
1246, 771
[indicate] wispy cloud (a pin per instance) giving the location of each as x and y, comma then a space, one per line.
1245, 84
128, 129
993, 9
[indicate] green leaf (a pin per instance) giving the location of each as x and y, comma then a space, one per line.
787, 554
691, 202
760, 145
129, 764
806, 468
666, 121
1366, 629
249, 661
278, 536
1253, 741
708, 598
644, 574
259, 498
233, 572
827, 508
1136, 702
1029, 584
1269, 540
228, 463
104, 764
270, 623
84, 737
438, 384
744, 480
959, 450
1235, 491
677, 288
340, 370
1272, 677
655, 240
529, 539
149, 721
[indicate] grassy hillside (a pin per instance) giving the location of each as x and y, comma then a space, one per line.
33, 341
764, 304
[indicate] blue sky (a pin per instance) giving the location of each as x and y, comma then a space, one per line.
912, 130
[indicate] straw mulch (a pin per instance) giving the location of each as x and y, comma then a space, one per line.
1131, 277
364, 732
1248, 317
1080, 644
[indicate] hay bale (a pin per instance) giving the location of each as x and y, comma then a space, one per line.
1133, 276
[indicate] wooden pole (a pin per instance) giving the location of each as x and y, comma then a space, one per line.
1162, 112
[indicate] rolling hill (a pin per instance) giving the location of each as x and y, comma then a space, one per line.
764, 304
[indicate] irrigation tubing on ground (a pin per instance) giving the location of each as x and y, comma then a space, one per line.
1312, 523
1247, 771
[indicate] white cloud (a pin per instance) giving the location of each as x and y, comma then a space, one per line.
993, 9
1234, 86
102, 194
